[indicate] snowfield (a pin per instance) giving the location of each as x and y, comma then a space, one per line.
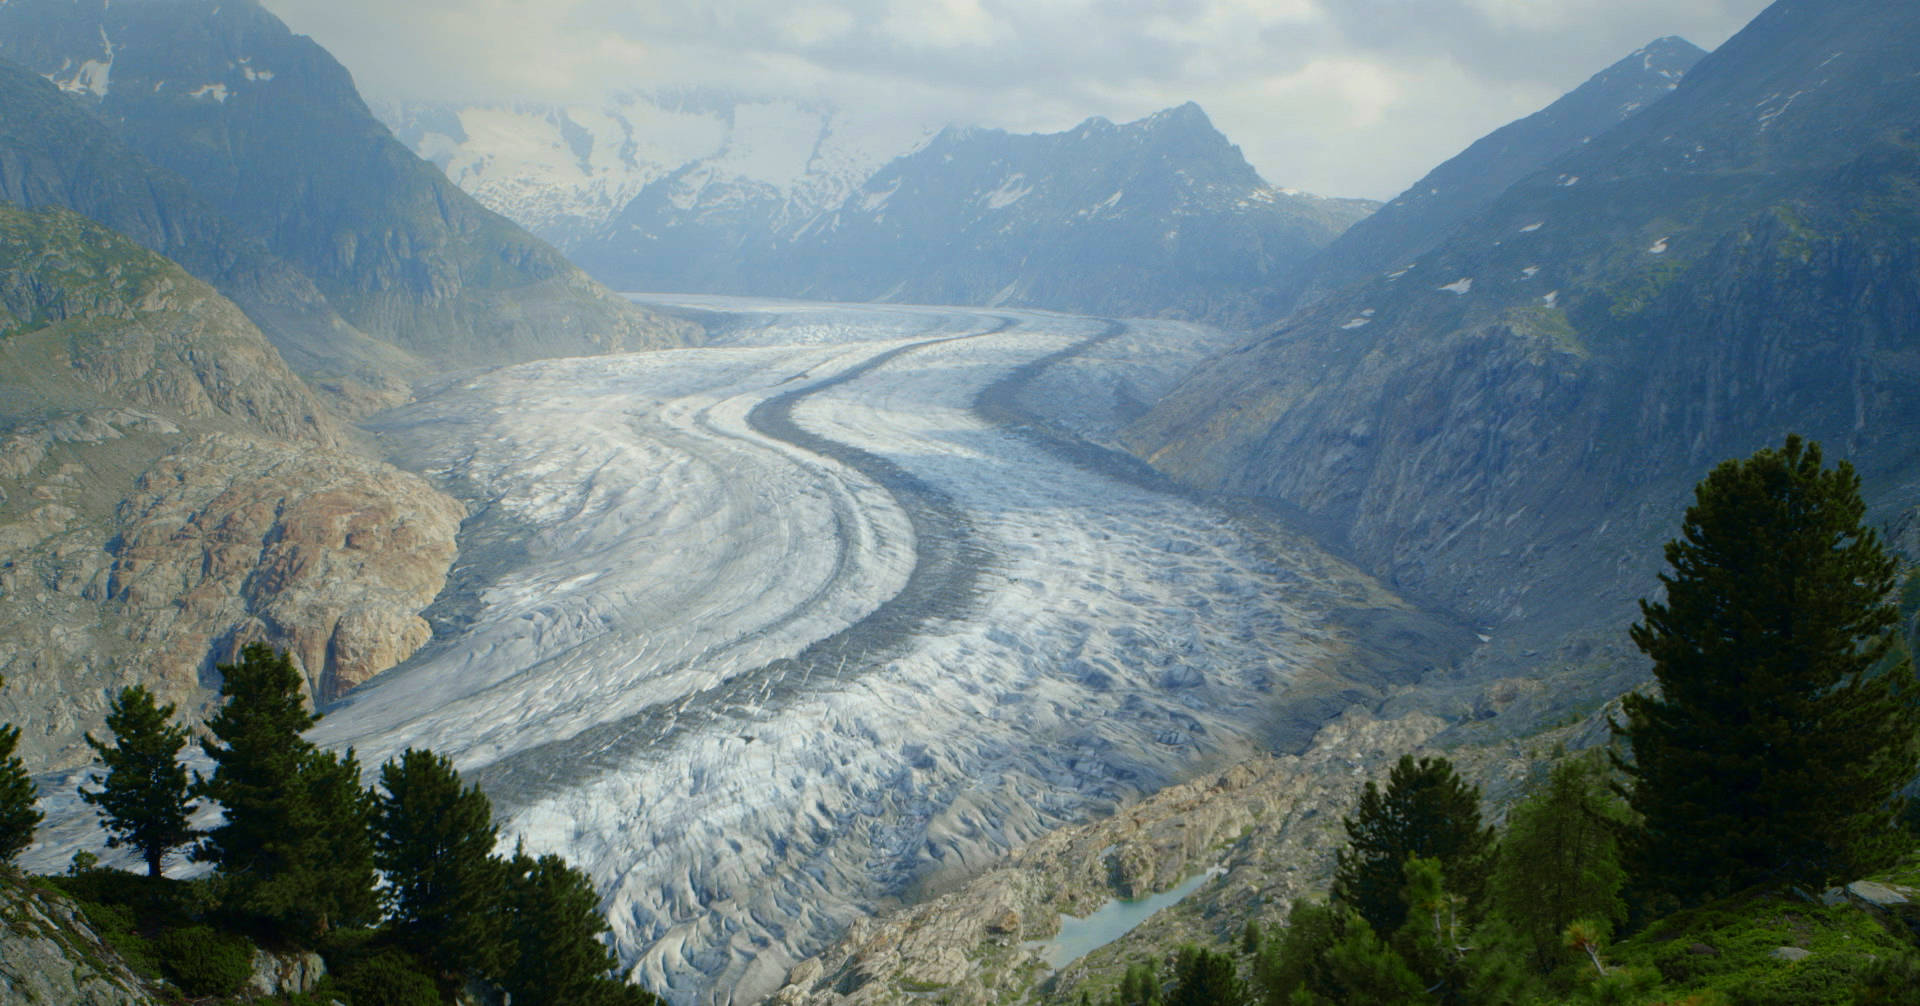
780, 632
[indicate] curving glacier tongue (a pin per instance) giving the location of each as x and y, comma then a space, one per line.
769, 635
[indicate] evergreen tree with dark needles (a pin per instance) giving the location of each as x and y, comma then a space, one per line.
18, 815
143, 799
294, 845
433, 841
1784, 726
1426, 810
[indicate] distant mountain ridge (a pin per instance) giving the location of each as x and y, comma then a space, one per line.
1162, 216
704, 161
1509, 425
268, 130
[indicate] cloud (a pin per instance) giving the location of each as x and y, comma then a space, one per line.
1345, 97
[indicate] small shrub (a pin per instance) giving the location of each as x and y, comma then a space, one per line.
387, 976
203, 961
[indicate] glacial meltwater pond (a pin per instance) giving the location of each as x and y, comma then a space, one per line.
1079, 937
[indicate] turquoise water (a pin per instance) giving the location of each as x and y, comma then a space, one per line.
1080, 937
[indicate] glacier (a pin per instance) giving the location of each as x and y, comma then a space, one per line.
830, 614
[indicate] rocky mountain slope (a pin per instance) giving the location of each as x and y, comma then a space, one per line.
170, 490
53, 152
268, 130
1509, 424
1460, 189
686, 172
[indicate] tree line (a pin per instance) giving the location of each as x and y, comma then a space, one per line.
1770, 760
303, 856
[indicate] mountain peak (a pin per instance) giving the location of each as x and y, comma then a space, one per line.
1187, 118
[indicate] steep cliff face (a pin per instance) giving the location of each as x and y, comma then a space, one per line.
1509, 424
170, 490
269, 131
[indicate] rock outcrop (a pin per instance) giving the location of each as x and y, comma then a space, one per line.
50, 956
170, 490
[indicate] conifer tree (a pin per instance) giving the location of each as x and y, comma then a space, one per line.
556, 927
143, 798
294, 844
433, 841
18, 815
1784, 725
1359, 967
1560, 860
1204, 978
1426, 810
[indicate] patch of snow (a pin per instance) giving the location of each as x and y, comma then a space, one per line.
217, 92
1356, 323
1766, 117
1461, 285
1552, 299
1012, 189
1402, 272
1659, 247
1568, 181
872, 201
1366, 313
771, 142
1530, 271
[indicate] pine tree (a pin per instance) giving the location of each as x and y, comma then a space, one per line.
1784, 724
143, 798
1205, 978
1290, 961
294, 844
556, 927
1360, 968
18, 816
1426, 810
1560, 860
433, 841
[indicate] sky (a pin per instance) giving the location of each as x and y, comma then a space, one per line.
1337, 97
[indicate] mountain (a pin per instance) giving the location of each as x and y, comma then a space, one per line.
1509, 425
1468, 183
1159, 216
703, 192
170, 490
54, 153
705, 166
269, 131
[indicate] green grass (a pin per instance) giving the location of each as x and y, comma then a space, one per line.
1727, 949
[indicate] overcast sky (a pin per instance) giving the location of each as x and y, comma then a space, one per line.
1339, 97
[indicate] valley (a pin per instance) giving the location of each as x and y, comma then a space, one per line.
770, 634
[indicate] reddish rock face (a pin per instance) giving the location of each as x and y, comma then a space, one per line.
327, 556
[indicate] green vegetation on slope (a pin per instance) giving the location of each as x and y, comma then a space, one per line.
1770, 765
